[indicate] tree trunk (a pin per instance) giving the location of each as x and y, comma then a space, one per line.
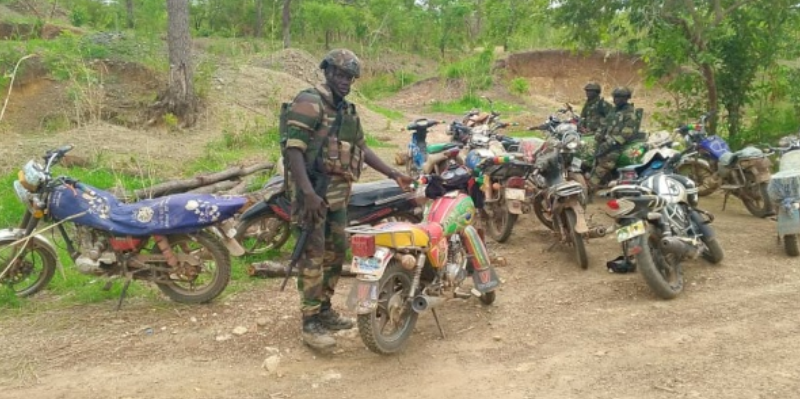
179, 98
287, 20
129, 13
328, 34
259, 18
713, 96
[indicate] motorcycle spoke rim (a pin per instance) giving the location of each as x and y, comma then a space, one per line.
389, 293
27, 265
202, 276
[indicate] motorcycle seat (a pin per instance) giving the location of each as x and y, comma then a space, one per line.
439, 147
730, 158
366, 194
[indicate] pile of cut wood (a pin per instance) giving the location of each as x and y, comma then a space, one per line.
232, 181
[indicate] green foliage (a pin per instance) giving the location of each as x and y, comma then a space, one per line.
389, 113
468, 102
384, 85
519, 86
474, 71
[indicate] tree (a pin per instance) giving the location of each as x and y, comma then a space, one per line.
129, 13
179, 98
287, 23
670, 34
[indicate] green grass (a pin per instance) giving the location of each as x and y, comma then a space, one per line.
526, 133
389, 113
384, 85
466, 103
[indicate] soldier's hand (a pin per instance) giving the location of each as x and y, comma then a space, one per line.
315, 207
403, 181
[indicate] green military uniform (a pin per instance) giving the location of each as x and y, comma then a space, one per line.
621, 125
594, 114
312, 114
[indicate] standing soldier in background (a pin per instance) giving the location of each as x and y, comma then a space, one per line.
324, 142
621, 129
594, 111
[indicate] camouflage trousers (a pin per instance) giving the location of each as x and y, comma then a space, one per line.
605, 165
321, 262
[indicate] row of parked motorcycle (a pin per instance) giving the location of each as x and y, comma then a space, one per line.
413, 250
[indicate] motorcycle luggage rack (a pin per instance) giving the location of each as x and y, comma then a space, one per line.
393, 234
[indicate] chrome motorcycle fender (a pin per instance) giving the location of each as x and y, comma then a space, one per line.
363, 297
233, 246
484, 277
38, 240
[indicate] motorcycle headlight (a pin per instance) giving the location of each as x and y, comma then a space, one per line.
22, 193
31, 176
572, 145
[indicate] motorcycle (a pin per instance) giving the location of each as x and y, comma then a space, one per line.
266, 226
784, 192
428, 158
404, 269
174, 241
559, 204
503, 181
659, 224
744, 173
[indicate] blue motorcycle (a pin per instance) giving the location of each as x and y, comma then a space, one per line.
174, 241
712, 165
423, 158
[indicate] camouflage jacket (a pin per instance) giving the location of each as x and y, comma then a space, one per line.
621, 124
311, 116
594, 113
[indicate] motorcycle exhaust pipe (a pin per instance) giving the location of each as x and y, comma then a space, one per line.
597, 232
679, 247
421, 303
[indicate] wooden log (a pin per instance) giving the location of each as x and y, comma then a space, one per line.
179, 186
215, 187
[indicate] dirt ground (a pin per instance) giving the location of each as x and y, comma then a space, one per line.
555, 331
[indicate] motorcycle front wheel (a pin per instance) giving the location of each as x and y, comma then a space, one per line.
201, 282
501, 221
577, 240
757, 200
267, 232
32, 269
662, 272
387, 329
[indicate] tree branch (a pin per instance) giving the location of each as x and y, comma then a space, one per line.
11, 84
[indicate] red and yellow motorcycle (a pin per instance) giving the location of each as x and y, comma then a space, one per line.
404, 269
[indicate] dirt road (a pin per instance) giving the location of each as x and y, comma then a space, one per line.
555, 332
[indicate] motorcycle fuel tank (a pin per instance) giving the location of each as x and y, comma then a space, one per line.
454, 211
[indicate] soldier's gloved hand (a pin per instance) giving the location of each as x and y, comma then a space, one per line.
315, 207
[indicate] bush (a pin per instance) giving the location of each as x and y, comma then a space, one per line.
519, 86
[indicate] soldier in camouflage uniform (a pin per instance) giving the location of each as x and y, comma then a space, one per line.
621, 129
594, 111
311, 116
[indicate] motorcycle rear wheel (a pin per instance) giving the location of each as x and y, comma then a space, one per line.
705, 178
758, 203
790, 245
501, 222
26, 267
577, 240
208, 249
663, 273
539, 211
262, 234
394, 288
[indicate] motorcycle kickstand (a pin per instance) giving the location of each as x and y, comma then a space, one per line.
438, 324
125, 286
725, 200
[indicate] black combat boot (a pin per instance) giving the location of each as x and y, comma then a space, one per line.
333, 320
315, 334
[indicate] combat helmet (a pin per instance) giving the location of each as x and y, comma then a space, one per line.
343, 59
592, 86
621, 91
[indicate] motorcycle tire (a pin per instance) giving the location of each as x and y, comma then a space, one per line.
713, 253
262, 234
220, 277
500, 229
790, 245
371, 326
577, 240
705, 178
655, 266
752, 205
539, 211
42, 277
